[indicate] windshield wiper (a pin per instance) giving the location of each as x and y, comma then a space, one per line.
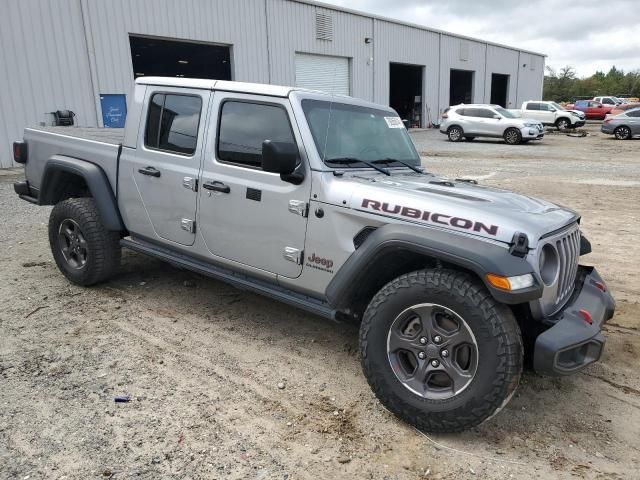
401, 162
350, 160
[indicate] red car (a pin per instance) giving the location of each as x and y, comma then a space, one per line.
592, 110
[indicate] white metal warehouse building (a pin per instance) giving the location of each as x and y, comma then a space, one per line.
83, 56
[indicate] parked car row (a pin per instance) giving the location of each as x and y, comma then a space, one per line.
470, 121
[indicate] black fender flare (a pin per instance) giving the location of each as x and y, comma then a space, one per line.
473, 254
96, 181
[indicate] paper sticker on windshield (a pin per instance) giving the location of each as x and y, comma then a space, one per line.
394, 122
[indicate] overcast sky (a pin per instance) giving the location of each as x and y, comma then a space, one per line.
589, 35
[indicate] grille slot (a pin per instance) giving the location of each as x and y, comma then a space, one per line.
568, 248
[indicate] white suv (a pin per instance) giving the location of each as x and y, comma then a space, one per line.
471, 121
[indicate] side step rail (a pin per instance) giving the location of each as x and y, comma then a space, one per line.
240, 281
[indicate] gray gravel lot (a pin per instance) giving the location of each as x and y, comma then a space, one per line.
203, 362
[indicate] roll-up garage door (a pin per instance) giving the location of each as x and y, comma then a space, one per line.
322, 72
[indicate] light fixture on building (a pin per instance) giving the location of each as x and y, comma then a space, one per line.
184, 62
368, 40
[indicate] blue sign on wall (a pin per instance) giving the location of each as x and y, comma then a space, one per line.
114, 110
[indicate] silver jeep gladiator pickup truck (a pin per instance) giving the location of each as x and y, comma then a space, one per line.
320, 201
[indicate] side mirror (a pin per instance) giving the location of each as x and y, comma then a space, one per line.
282, 158
497, 117
552, 109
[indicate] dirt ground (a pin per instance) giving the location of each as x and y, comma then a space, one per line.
228, 384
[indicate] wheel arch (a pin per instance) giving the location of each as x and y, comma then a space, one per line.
65, 177
393, 250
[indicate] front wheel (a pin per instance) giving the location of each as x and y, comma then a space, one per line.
512, 136
439, 351
563, 124
85, 252
622, 133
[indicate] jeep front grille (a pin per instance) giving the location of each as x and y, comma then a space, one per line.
568, 247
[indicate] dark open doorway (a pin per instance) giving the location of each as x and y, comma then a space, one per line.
499, 89
405, 92
460, 87
170, 58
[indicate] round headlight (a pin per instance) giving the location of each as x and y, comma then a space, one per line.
549, 264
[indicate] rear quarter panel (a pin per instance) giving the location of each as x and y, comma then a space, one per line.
43, 144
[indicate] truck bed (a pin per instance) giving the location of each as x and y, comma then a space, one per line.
113, 136
95, 145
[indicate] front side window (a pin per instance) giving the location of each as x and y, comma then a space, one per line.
243, 128
353, 133
172, 123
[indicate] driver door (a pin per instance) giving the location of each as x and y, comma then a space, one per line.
248, 215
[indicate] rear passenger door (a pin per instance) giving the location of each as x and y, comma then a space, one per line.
247, 215
533, 112
164, 170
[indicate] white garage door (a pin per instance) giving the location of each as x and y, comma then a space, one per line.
321, 72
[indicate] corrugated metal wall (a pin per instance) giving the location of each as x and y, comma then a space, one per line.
43, 67
461, 54
292, 29
504, 61
64, 54
240, 24
395, 43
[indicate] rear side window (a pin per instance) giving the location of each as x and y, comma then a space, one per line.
243, 128
172, 123
533, 106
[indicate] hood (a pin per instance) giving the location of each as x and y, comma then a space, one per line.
450, 204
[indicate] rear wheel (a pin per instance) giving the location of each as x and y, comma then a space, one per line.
85, 252
512, 136
455, 133
622, 133
563, 123
439, 351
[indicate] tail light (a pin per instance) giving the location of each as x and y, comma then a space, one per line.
444, 115
607, 120
19, 152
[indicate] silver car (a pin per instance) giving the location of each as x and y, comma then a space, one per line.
624, 125
471, 121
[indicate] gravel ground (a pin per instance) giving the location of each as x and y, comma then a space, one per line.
227, 384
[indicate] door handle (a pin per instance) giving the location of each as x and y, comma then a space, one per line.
150, 171
216, 186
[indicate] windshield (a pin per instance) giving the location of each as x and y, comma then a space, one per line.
557, 106
349, 132
505, 113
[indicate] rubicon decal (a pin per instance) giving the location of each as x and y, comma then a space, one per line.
319, 263
431, 217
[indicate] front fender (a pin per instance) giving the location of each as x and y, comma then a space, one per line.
475, 255
96, 181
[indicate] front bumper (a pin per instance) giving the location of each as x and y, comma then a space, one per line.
532, 133
572, 342
579, 123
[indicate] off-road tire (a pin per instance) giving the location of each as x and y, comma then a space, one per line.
512, 136
563, 124
455, 133
102, 246
498, 338
622, 133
